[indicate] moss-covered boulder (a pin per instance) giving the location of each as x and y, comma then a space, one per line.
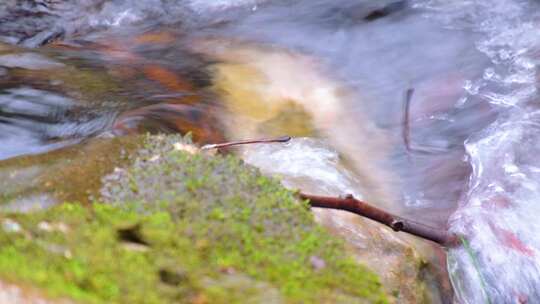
183, 227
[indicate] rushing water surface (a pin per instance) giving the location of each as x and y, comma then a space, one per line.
461, 152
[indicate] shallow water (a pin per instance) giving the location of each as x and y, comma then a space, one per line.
460, 153
497, 214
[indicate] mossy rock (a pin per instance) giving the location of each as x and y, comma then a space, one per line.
178, 227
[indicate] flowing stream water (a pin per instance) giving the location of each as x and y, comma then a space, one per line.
459, 154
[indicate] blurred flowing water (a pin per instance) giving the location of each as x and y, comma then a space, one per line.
497, 214
459, 154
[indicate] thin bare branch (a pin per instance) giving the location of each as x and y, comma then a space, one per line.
349, 203
281, 139
406, 127
406, 131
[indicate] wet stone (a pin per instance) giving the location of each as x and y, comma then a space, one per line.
28, 61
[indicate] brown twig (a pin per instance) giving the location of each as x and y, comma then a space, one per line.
406, 131
281, 139
349, 203
406, 127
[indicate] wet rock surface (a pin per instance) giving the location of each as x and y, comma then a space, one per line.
70, 174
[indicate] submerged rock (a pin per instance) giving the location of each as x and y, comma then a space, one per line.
60, 95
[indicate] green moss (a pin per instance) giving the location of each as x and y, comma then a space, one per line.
183, 228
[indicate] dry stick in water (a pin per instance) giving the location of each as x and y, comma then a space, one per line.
406, 126
349, 203
281, 139
406, 132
